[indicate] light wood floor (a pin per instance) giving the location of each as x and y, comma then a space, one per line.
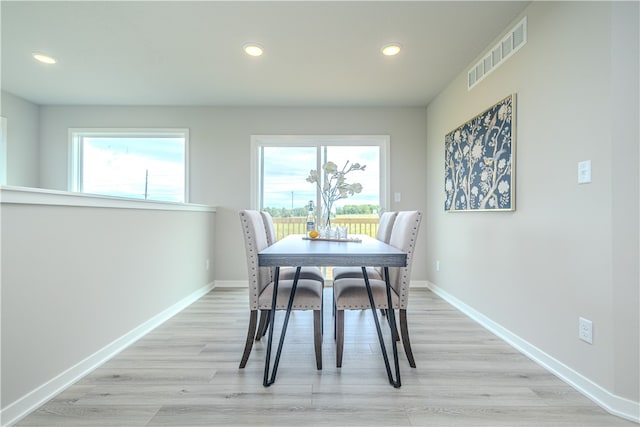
185, 373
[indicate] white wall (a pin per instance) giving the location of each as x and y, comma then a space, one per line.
76, 279
568, 250
220, 153
23, 150
625, 137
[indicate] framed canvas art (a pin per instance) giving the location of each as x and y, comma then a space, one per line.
479, 161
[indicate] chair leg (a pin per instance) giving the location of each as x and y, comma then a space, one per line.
335, 328
333, 304
317, 334
263, 324
405, 338
322, 314
339, 325
253, 320
267, 323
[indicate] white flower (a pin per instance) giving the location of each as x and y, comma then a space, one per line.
476, 151
330, 167
502, 163
503, 187
502, 112
448, 185
474, 191
313, 176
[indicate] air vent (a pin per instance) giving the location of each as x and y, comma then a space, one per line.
514, 40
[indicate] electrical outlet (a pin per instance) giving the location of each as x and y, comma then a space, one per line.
438, 265
585, 330
584, 172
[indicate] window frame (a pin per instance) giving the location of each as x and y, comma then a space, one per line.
259, 141
3, 151
75, 152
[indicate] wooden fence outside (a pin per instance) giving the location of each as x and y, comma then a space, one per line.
298, 225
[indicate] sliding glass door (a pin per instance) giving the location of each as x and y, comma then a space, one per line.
344, 177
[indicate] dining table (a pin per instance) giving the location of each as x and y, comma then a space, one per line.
356, 250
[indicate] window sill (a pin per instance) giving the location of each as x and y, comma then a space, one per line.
39, 196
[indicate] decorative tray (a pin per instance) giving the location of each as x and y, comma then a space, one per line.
327, 239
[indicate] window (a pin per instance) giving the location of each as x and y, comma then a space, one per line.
281, 165
135, 163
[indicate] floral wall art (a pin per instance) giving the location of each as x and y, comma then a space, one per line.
479, 161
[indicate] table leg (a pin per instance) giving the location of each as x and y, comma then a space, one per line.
396, 383
268, 381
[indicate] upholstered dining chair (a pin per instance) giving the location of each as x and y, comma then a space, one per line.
350, 293
287, 273
308, 292
384, 234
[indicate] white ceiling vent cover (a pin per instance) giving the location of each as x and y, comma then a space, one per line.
510, 43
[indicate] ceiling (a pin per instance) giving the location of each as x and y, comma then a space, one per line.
324, 53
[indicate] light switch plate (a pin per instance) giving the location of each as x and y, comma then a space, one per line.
584, 172
585, 330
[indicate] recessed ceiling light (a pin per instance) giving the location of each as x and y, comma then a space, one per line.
44, 58
391, 49
253, 49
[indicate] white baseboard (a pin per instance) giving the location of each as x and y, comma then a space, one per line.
328, 283
419, 284
613, 404
231, 284
17, 410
